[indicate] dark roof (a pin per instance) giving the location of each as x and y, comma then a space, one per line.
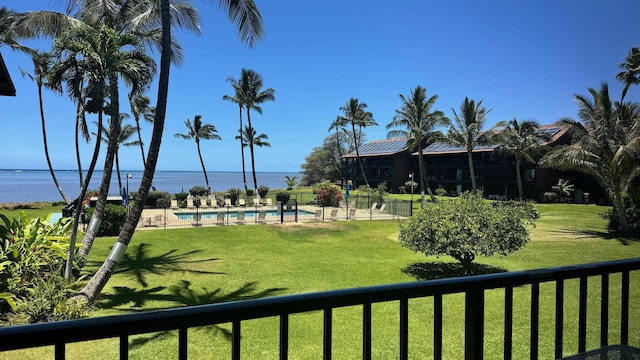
552, 132
380, 147
6, 85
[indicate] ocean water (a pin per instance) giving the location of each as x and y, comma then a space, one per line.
37, 185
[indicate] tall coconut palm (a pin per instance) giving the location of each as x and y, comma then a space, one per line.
339, 125
238, 98
631, 73
42, 63
356, 115
141, 109
246, 16
523, 141
104, 57
466, 131
199, 131
251, 139
126, 132
251, 84
418, 122
605, 144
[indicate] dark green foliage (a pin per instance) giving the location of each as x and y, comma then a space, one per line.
158, 199
467, 227
49, 300
633, 218
234, 194
549, 197
198, 191
181, 196
441, 191
378, 194
114, 217
263, 190
327, 194
249, 192
283, 197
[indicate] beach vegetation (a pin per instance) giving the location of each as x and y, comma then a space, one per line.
252, 139
327, 193
234, 194
417, 122
468, 227
112, 221
263, 190
355, 114
158, 199
198, 131
291, 182
196, 190
283, 197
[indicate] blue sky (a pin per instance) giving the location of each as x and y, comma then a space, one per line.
525, 59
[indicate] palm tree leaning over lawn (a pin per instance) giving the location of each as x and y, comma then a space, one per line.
631, 74
238, 98
605, 144
199, 131
42, 63
522, 140
356, 115
251, 140
251, 83
418, 125
466, 131
247, 18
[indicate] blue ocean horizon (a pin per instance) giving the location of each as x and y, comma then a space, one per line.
31, 185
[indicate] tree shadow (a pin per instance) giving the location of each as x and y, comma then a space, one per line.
438, 270
595, 234
183, 294
138, 263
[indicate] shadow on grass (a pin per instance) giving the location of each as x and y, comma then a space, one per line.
432, 271
181, 294
594, 234
138, 263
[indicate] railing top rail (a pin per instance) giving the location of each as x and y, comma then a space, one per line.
33, 335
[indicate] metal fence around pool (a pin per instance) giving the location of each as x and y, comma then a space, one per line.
295, 211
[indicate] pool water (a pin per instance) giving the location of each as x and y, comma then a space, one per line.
234, 214
55, 217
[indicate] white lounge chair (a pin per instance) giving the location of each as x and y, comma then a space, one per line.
240, 218
227, 202
174, 204
318, 215
220, 219
381, 210
374, 206
334, 215
190, 202
352, 213
261, 219
212, 200
242, 202
268, 202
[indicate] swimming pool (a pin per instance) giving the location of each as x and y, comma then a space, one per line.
234, 214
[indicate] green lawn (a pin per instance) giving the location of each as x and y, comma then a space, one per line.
171, 268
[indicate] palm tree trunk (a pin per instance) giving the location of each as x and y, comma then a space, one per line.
107, 172
144, 161
68, 269
519, 180
102, 276
253, 168
472, 171
206, 178
424, 182
118, 171
355, 141
78, 144
244, 173
618, 203
46, 148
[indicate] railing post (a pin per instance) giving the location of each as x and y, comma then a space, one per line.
474, 324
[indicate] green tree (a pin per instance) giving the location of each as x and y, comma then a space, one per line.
324, 162
251, 139
42, 63
356, 115
416, 122
631, 73
126, 132
199, 131
523, 141
247, 18
466, 131
467, 227
291, 181
605, 144
563, 188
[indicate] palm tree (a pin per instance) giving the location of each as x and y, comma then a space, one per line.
199, 131
126, 132
418, 125
251, 140
605, 144
42, 63
238, 98
246, 16
356, 115
631, 74
339, 126
466, 131
103, 58
522, 140
141, 108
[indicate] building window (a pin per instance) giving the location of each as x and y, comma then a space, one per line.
529, 174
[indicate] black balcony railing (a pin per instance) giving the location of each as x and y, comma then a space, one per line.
61, 333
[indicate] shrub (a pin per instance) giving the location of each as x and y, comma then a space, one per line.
48, 300
263, 190
249, 192
181, 196
234, 194
198, 191
283, 197
633, 219
441, 191
327, 194
114, 218
467, 227
402, 189
549, 197
158, 199
163, 203
291, 182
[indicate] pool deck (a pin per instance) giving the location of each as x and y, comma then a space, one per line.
167, 218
